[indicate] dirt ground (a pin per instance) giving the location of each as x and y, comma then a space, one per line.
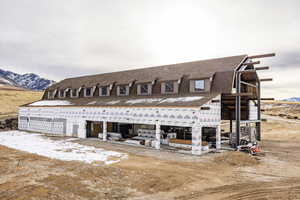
149, 174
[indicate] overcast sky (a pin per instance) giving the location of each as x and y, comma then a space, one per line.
58, 39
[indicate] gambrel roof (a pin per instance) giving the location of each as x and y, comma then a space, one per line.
220, 73
193, 70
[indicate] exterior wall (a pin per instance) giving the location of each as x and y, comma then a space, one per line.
33, 120
71, 121
252, 111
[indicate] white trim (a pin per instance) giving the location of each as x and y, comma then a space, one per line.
77, 93
91, 92
107, 91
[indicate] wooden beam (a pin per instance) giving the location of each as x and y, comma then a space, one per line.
249, 84
262, 68
240, 94
205, 108
247, 71
233, 107
262, 55
266, 79
215, 101
267, 99
252, 63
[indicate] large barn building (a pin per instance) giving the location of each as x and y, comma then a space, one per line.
172, 106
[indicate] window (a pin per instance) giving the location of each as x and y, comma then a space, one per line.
122, 90
169, 87
199, 85
50, 95
88, 91
61, 93
144, 89
74, 92
104, 91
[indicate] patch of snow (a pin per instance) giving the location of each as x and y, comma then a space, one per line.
113, 102
92, 103
161, 100
181, 99
51, 103
57, 149
150, 100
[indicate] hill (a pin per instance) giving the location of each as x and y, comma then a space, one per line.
11, 99
29, 81
292, 99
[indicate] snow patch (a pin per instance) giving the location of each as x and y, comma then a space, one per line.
134, 101
92, 103
181, 99
113, 102
161, 100
58, 149
51, 103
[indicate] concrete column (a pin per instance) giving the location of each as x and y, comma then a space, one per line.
157, 135
82, 129
218, 137
197, 140
104, 130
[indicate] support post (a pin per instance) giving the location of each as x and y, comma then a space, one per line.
157, 135
104, 130
218, 137
258, 124
196, 140
230, 122
237, 108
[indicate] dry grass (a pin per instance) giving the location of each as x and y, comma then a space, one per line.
10, 100
281, 102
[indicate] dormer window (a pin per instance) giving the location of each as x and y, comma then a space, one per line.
144, 89
104, 91
74, 92
50, 94
169, 87
61, 93
199, 85
123, 90
88, 92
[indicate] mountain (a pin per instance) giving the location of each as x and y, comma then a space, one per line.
292, 99
29, 81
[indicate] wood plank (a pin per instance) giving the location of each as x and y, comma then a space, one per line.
266, 79
262, 55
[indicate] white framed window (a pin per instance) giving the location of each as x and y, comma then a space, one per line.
169, 87
123, 90
61, 93
74, 92
88, 92
50, 94
104, 91
144, 89
199, 85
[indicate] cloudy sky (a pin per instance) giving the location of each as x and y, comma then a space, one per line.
58, 39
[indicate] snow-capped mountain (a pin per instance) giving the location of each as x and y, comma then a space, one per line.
292, 99
6, 81
29, 81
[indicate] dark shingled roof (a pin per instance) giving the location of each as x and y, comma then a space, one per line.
220, 70
196, 69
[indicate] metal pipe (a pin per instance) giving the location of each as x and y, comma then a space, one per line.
258, 124
238, 108
249, 84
